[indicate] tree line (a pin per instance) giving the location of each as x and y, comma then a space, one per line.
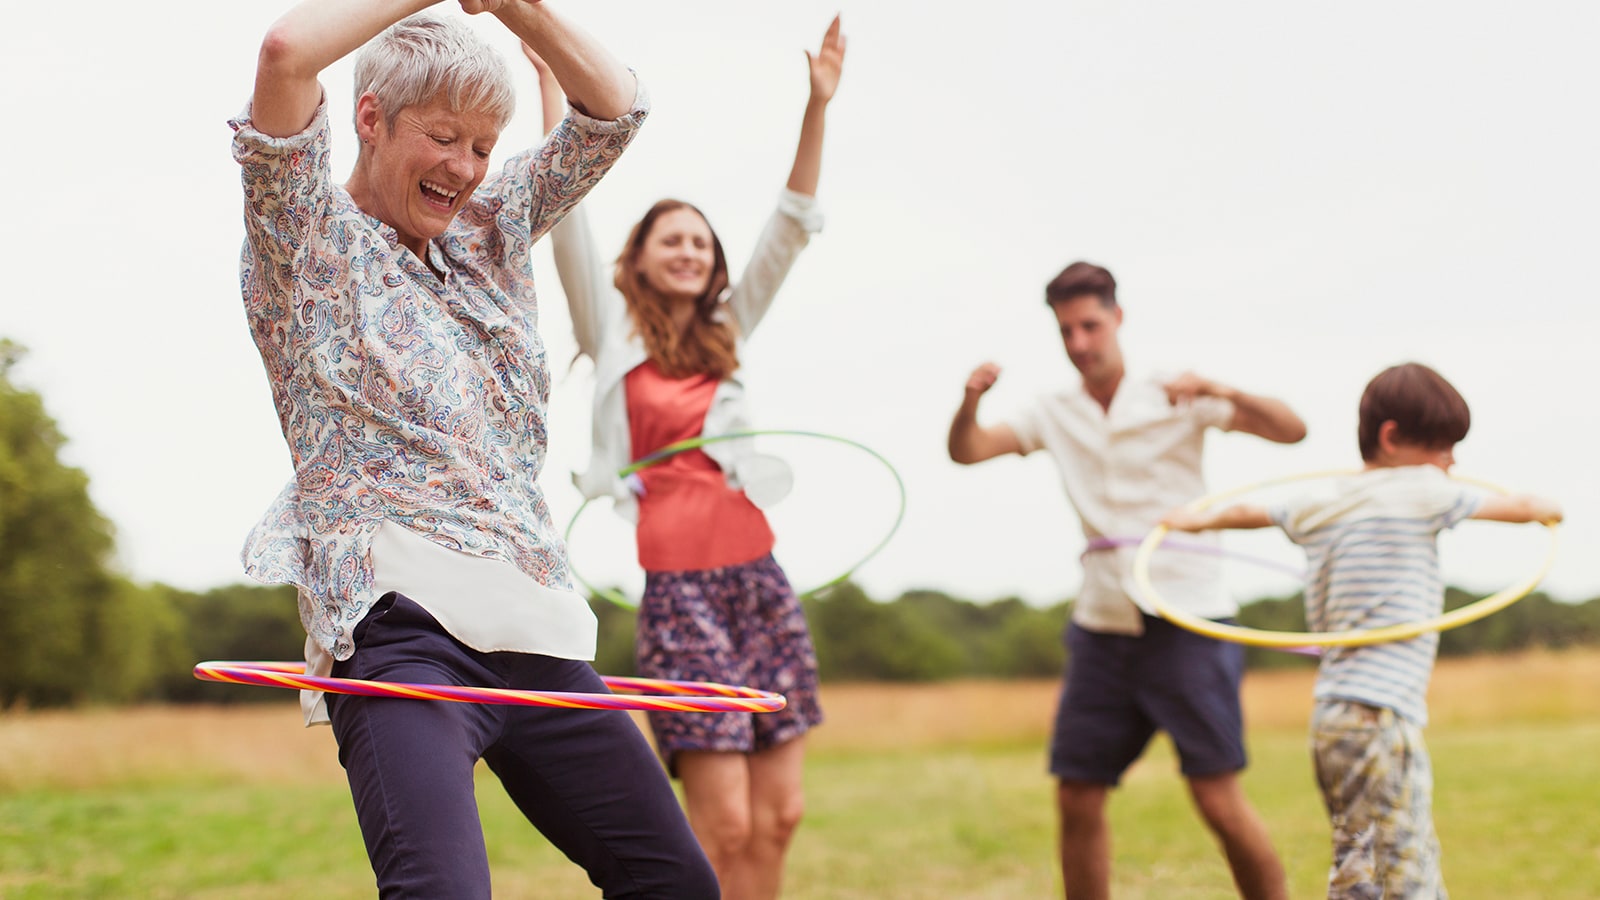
140, 643
74, 631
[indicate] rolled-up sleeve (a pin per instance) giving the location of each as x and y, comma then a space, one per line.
792, 224
287, 186
1025, 425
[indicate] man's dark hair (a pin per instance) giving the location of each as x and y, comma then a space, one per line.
1426, 410
1079, 280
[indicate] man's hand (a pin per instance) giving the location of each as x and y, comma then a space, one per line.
970, 442
982, 379
1188, 386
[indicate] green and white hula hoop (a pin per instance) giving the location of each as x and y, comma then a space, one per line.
1257, 637
674, 449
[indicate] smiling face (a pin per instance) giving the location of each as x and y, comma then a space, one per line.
678, 255
416, 173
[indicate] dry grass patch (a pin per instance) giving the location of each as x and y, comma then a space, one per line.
266, 744
1535, 686
92, 748
949, 714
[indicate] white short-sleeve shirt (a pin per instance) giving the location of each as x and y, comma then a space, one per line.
1123, 468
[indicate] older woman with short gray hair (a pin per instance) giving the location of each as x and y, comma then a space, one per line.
396, 320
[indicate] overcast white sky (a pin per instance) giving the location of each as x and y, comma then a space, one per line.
1292, 196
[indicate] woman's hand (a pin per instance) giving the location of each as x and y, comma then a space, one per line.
826, 63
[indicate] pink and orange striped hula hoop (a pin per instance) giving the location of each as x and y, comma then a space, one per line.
648, 694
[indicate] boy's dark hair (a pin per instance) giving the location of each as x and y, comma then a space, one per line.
1427, 411
1082, 279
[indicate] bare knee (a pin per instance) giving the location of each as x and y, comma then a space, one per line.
777, 822
1222, 803
1082, 806
726, 834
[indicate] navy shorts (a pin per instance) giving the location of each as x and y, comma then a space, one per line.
1121, 689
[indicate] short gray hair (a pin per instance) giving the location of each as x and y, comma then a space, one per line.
422, 57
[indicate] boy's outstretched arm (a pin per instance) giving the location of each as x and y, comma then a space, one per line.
1518, 508
1242, 515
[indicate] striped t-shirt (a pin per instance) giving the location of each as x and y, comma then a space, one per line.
1373, 560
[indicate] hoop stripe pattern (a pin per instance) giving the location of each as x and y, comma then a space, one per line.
1257, 637
656, 695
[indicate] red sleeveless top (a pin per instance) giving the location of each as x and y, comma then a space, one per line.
689, 518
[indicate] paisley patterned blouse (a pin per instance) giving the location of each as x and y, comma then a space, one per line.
403, 396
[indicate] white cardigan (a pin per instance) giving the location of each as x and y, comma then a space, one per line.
606, 335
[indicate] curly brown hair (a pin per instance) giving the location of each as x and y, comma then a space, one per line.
708, 345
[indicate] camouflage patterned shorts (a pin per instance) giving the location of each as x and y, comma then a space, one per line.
1377, 783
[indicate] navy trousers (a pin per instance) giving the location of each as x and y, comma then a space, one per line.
586, 779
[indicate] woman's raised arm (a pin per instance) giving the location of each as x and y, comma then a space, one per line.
825, 66
594, 80
310, 37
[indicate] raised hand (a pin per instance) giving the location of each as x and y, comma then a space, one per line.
982, 378
826, 63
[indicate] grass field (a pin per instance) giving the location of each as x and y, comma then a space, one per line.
914, 792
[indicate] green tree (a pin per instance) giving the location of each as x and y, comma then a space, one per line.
861, 640
147, 646
1275, 614
54, 552
1027, 640
613, 653
238, 622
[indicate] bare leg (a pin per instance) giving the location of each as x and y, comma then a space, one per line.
744, 809
1257, 872
716, 791
777, 801
1085, 840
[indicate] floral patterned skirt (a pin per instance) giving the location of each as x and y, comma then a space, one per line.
739, 624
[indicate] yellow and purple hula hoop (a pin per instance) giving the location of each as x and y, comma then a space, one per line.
649, 694
695, 443
1258, 637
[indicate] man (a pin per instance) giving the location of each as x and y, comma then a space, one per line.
1128, 449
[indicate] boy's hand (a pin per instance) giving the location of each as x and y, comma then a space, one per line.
1185, 519
1548, 512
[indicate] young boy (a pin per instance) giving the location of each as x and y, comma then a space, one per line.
1373, 561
